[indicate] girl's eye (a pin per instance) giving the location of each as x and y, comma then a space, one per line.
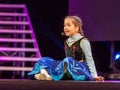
68, 25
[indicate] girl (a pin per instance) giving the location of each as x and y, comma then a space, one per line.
78, 63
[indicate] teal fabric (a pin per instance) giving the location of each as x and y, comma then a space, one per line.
77, 70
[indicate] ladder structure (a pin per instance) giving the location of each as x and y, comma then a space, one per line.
18, 43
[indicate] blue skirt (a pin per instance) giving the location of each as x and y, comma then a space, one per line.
78, 70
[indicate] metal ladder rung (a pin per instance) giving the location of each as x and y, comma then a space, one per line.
12, 68
12, 6
12, 14
15, 31
7, 58
16, 40
15, 22
18, 49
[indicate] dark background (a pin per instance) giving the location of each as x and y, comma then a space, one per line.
101, 18
47, 19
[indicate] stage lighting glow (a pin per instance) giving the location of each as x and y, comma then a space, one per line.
117, 59
117, 56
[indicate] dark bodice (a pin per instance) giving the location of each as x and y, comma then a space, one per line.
75, 50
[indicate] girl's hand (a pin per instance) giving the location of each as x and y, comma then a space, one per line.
99, 78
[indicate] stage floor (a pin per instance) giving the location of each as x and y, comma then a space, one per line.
24, 84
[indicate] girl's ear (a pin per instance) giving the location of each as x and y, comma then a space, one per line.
77, 28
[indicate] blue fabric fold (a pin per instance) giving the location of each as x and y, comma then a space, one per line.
78, 70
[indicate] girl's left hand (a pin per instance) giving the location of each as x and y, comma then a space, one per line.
99, 78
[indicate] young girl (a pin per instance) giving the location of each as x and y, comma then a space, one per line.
78, 63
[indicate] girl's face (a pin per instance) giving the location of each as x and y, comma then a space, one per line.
69, 28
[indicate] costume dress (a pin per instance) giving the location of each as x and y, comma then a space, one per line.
74, 62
